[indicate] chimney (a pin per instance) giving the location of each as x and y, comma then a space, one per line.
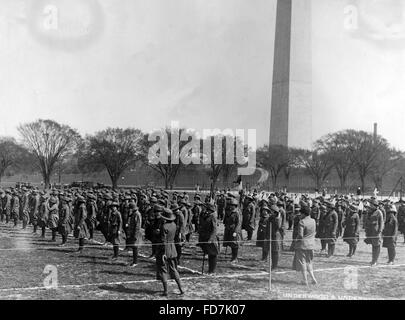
375, 131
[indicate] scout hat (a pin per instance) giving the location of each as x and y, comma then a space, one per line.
167, 215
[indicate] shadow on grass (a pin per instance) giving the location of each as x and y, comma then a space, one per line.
123, 289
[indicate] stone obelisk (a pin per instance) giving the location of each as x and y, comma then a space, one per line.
291, 106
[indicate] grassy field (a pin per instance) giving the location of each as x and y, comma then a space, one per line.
26, 260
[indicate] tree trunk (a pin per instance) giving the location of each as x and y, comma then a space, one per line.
47, 180
274, 181
114, 182
363, 184
166, 182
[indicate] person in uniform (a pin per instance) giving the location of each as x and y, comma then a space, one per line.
64, 226
401, 217
262, 231
351, 234
271, 232
390, 233
233, 223
115, 228
180, 230
80, 227
91, 219
53, 216
35, 202
189, 228
305, 245
221, 206
6, 205
197, 211
207, 236
249, 216
125, 213
320, 230
290, 213
25, 208
166, 253
43, 214
15, 208
152, 223
331, 225
296, 220
2, 199
374, 225
134, 234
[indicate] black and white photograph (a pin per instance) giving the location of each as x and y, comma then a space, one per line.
214, 150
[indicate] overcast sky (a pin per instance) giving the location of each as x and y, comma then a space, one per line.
204, 63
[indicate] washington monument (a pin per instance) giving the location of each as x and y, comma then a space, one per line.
291, 106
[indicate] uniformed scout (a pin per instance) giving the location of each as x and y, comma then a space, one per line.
331, 221
134, 234
64, 227
374, 227
180, 237
207, 236
92, 213
80, 227
233, 223
249, 216
115, 228
351, 233
53, 217
15, 208
166, 254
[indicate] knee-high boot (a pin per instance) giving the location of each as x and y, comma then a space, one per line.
212, 263
234, 254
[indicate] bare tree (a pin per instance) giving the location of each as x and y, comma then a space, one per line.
335, 145
317, 165
293, 163
49, 141
364, 150
171, 166
222, 156
115, 149
14, 156
385, 162
274, 158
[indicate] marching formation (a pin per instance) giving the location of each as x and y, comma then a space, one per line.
167, 221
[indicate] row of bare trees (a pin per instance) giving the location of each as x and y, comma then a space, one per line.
348, 153
48, 146
52, 146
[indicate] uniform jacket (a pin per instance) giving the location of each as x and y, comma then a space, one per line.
352, 228
166, 240
249, 216
53, 216
134, 223
374, 227
306, 234
207, 233
390, 231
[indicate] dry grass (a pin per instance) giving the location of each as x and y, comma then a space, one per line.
93, 275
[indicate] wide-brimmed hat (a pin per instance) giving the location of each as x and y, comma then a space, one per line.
174, 207
167, 215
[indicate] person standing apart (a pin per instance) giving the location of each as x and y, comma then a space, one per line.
304, 246
166, 254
